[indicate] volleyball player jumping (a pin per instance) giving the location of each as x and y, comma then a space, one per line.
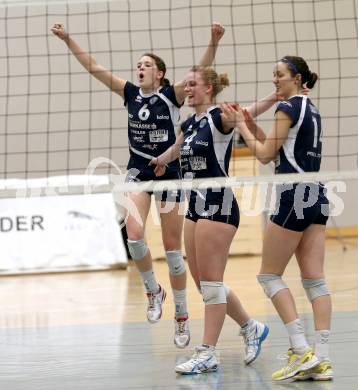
153, 111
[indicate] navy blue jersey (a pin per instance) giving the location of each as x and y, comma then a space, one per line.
206, 149
301, 151
152, 119
205, 153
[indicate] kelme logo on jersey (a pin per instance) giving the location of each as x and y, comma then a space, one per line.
163, 117
203, 122
138, 99
153, 99
202, 143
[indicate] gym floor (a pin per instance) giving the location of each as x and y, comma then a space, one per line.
88, 330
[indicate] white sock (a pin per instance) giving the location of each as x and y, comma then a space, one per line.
249, 324
150, 283
209, 347
297, 336
181, 309
321, 344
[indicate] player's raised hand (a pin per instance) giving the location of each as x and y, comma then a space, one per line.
217, 32
59, 30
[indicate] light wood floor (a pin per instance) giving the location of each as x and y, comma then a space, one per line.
88, 330
117, 296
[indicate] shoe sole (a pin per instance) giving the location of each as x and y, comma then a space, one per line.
262, 339
212, 369
322, 379
155, 321
314, 377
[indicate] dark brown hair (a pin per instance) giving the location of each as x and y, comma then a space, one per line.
297, 65
161, 66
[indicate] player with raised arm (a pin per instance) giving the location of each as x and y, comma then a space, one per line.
153, 111
204, 145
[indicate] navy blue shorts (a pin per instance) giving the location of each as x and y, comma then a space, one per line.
147, 174
300, 207
219, 207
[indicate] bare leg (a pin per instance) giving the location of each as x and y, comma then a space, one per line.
310, 258
172, 226
135, 229
213, 240
275, 258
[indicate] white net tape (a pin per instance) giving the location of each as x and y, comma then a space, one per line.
116, 183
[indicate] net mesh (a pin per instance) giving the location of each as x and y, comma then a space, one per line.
55, 118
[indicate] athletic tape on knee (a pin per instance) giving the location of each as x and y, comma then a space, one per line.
137, 248
315, 288
271, 284
175, 262
213, 292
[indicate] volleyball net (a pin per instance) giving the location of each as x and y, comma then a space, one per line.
56, 120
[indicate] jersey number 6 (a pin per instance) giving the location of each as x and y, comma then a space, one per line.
144, 113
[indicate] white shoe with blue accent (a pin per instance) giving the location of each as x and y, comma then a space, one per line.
203, 360
253, 338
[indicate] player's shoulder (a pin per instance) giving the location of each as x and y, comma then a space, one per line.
292, 104
187, 122
215, 114
131, 89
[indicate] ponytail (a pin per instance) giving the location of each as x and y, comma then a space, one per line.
311, 80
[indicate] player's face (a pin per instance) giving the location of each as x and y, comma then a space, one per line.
285, 84
196, 89
148, 74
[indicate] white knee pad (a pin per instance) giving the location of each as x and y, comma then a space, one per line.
271, 284
175, 262
227, 290
213, 292
315, 288
137, 248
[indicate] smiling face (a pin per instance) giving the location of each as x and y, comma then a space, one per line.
197, 91
148, 74
286, 84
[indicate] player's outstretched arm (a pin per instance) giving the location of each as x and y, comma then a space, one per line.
114, 83
217, 32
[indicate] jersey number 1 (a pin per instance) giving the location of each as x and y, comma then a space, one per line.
316, 137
